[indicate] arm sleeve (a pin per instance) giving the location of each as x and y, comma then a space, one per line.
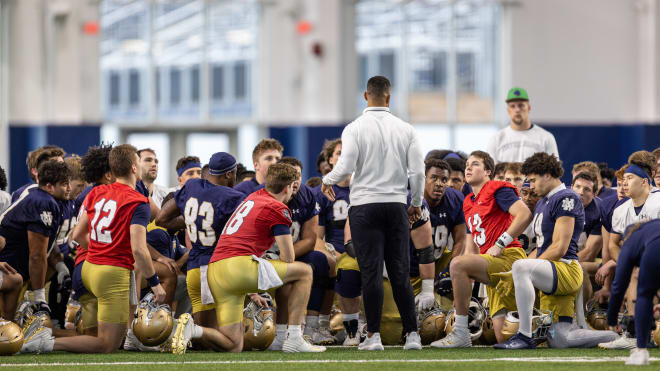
416, 175
141, 215
624, 267
505, 197
280, 230
348, 159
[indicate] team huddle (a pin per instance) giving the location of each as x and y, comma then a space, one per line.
94, 257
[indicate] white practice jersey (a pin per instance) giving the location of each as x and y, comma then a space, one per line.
624, 215
509, 145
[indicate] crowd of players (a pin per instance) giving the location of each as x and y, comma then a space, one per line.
505, 254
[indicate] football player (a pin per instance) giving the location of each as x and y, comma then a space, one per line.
304, 211
656, 153
513, 175
29, 227
527, 238
235, 269
155, 192
457, 174
5, 197
554, 269
74, 162
495, 216
34, 160
188, 167
206, 205
500, 169
591, 240
115, 217
267, 152
333, 217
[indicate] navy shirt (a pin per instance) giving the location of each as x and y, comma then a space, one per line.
304, 207
37, 211
593, 218
205, 207
69, 219
559, 203
333, 215
166, 244
249, 186
607, 213
142, 189
17, 193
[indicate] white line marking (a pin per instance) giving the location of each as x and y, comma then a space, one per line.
220, 362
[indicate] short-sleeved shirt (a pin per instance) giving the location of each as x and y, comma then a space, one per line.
444, 218
35, 211
593, 215
206, 207
626, 213
609, 213
249, 186
333, 215
252, 228
110, 210
558, 203
303, 207
142, 189
166, 244
26, 187
69, 220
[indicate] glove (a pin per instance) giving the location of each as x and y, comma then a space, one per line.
425, 299
444, 285
62, 273
505, 285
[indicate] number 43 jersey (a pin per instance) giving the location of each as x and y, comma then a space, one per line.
110, 210
205, 207
486, 221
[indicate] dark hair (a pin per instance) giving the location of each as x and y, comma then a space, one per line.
266, 145
644, 159
139, 152
183, 161
3, 179
291, 161
588, 177
279, 176
607, 173
542, 163
41, 154
456, 164
53, 172
245, 174
378, 87
205, 171
500, 167
489, 163
329, 149
122, 160
96, 163
436, 162
314, 181
319, 160
168, 197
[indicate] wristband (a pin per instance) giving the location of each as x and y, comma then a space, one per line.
427, 286
504, 240
153, 280
39, 295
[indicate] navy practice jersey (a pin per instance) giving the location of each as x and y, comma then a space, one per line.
333, 215
249, 186
36, 211
593, 214
467, 189
303, 207
69, 220
444, 217
166, 244
607, 214
17, 193
608, 197
142, 189
81, 197
205, 207
559, 202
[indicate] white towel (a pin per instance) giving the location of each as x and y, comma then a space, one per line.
207, 297
268, 277
133, 290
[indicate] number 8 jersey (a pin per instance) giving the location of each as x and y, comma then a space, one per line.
252, 228
110, 210
486, 221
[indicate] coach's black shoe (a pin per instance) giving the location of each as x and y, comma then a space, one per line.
517, 341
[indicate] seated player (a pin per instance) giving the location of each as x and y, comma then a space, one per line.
11, 283
527, 238
235, 269
495, 216
267, 152
206, 205
513, 175
590, 243
116, 216
29, 227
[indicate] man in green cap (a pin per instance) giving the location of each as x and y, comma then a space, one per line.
521, 138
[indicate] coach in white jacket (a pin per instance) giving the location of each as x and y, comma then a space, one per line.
521, 139
385, 156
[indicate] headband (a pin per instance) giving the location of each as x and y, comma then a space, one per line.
634, 169
190, 165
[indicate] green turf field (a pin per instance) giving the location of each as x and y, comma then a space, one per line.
338, 358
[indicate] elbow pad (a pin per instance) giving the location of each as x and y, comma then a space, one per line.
425, 255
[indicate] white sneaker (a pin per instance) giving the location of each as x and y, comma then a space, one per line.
38, 339
638, 357
351, 341
132, 343
183, 334
298, 344
277, 343
413, 341
455, 339
372, 343
322, 336
623, 342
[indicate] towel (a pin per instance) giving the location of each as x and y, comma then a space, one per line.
268, 277
207, 297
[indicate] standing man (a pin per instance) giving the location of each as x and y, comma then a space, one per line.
383, 154
149, 164
521, 138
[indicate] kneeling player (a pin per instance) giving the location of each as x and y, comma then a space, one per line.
495, 216
234, 269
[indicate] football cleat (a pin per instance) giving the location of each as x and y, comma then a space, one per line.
259, 326
623, 342
11, 338
183, 334
351, 341
517, 341
454, 339
37, 338
298, 344
153, 322
322, 336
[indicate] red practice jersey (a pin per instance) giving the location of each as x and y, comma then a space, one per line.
249, 231
110, 210
485, 219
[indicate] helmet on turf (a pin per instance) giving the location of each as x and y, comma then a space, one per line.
153, 322
72, 308
596, 315
259, 325
488, 334
476, 317
656, 333
432, 325
541, 322
336, 320
11, 338
79, 322
28, 309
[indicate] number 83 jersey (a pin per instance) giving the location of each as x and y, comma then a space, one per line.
205, 207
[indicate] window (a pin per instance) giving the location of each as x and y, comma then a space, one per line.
134, 87
175, 86
387, 67
194, 84
114, 88
240, 81
218, 87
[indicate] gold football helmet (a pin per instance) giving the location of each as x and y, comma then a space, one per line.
541, 322
259, 326
596, 315
432, 325
72, 308
656, 333
28, 309
488, 334
336, 320
153, 322
476, 317
11, 338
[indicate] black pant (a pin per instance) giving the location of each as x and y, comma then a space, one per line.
380, 231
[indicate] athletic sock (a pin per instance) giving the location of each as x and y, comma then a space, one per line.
198, 331
294, 331
280, 332
351, 324
461, 323
324, 320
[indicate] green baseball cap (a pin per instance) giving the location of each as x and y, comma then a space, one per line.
517, 93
